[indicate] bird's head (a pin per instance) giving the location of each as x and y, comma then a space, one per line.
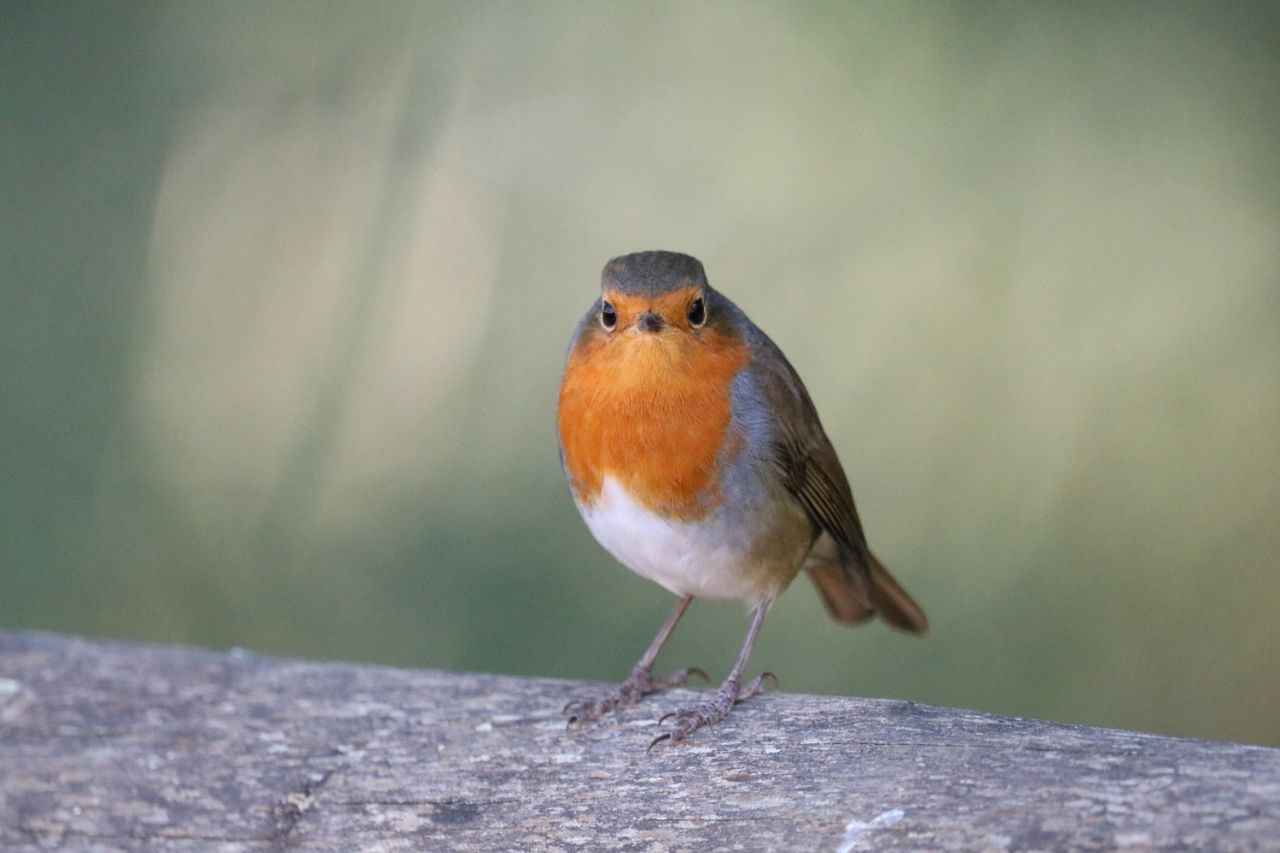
654, 296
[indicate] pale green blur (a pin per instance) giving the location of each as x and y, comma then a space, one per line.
287, 287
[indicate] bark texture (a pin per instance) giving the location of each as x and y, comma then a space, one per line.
112, 746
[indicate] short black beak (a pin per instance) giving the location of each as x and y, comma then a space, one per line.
650, 322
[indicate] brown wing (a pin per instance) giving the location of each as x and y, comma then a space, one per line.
852, 582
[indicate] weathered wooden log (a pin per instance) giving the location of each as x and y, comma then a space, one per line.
106, 745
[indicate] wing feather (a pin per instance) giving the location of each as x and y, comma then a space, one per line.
854, 584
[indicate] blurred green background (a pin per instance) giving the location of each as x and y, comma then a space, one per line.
287, 287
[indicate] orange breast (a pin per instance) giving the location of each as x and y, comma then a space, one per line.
652, 411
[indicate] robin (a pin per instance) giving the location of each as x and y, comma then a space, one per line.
697, 459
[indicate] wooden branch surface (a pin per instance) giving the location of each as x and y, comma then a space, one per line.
106, 745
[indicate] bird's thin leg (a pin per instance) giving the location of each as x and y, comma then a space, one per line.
641, 681
688, 720
664, 633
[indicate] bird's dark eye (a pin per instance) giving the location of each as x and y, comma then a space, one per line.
697, 313
608, 316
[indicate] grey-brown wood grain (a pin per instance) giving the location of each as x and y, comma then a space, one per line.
106, 745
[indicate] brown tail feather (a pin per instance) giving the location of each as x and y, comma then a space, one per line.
851, 599
846, 600
892, 602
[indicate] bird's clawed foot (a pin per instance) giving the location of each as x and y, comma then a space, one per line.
637, 686
689, 720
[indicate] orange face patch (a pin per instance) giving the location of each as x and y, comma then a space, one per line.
673, 307
650, 409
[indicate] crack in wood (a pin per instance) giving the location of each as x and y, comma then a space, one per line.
418, 803
39, 835
1001, 747
290, 808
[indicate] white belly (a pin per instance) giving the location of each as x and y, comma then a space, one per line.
702, 559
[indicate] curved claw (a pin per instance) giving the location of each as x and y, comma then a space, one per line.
639, 684
691, 719
659, 739
576, 709
756, 686
678, 678
583, 711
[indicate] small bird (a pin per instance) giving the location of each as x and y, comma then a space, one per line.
697, 459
